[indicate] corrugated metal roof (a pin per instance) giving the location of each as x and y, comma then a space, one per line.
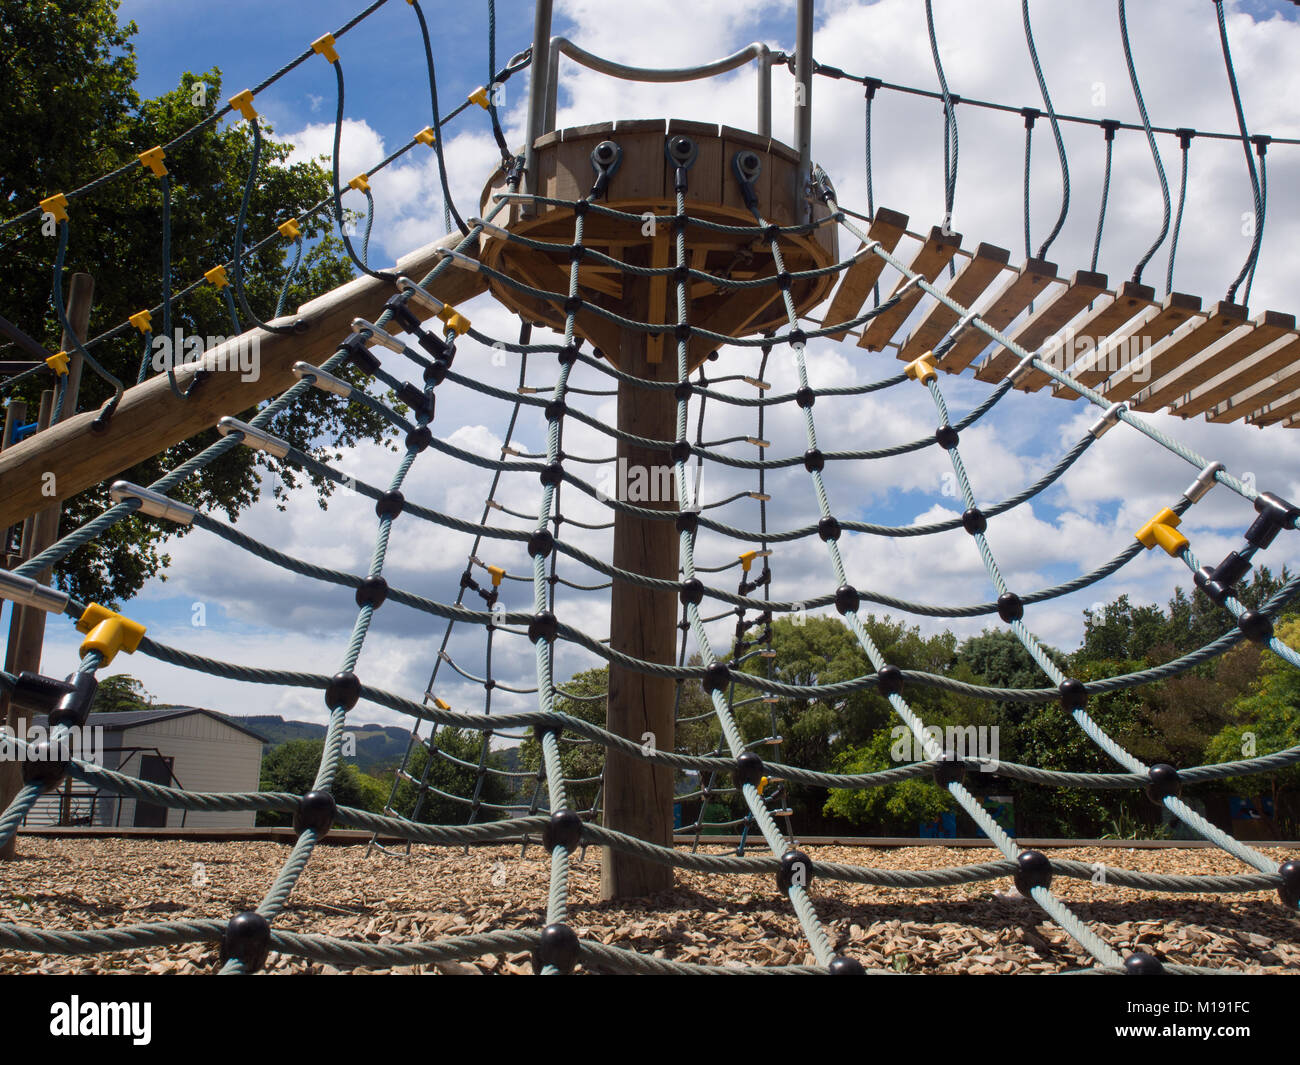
133, 718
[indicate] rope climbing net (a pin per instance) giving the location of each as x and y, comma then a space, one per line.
731, 680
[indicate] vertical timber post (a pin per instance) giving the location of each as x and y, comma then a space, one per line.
643, 622
27, 624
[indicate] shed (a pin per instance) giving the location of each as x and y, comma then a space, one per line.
185, 747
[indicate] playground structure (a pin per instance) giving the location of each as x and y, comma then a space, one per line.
745, 238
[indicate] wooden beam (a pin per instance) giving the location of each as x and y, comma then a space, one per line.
1084, 287
1164, 361
935, 254
1259, 399
151, 419
1249, 359
887, 227
1012, 298
967, 287
1117, 349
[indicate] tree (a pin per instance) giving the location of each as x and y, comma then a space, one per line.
292, 767
579, 760
68, 79
120, 694
451, 776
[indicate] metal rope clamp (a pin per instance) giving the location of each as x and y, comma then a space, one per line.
606, 158
747, 165
682, 151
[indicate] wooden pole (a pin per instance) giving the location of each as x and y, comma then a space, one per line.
151, 419
639, 795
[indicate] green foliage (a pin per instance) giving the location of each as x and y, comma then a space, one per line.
119, 694
454, 779
68, 81
292, 767
579, 761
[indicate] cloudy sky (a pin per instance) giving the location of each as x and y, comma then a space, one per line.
258, 615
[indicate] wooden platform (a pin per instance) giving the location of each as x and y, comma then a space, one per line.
1156, 355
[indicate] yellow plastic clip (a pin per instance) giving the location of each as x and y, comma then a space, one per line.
216, 277
479, 96
243, 103
498, 575
440, 704
922, 369
359, 183
290, 229
1162, 530
747, 560
58, 363
142, 320
425, 136
325, 46
153, 160
109, 632
762, 783
56, 205
454, 320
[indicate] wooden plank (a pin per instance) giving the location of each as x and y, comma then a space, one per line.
1241, 364
855, 286
968, 286
1286, 381
935, 254
1099, 323
705, 180
151, 419
1116, 350
1053, 315
1164, 362
1013, 297
641, 173
1281, 409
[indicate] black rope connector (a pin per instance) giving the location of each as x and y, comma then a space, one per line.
316, 811
1162, 782
552, 473
974, 521
354, 347
541, 543
437, 347
573, 304
805, 397
246, 939
558, 948
796, 338
684, 390
814, 460
437, 373
1256, 626
343, 691
1010, 608
74, 706
949, 770
946, 437
843, 965
1289, 892
749, 770
1275, 514
568, 354
543, 626
828, 529
682, 331
418, 440
688, 521
847, 599
563, 830
421, 402
41, 766
555, 410
1141, 964
372, 592
796, 868
692, 592
580, 207
1035, 871
784, 281
402, 314
1109, 128
716, 677
390, 504
576, 252
889, 680
1073, 694
680, 451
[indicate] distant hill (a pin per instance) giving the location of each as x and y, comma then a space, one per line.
378, 746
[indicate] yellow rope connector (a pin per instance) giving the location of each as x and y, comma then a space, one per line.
109, 632
454, 321
58, 363
325, 46
1162, 530
762, 784
142, 320
440, 704
479, 96
359, 183
425, 136
747, 560
56, 205
922, 369
498, 575
153, 160
243, 103
290, 229
216, 277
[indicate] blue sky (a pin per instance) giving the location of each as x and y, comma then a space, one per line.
256, 616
